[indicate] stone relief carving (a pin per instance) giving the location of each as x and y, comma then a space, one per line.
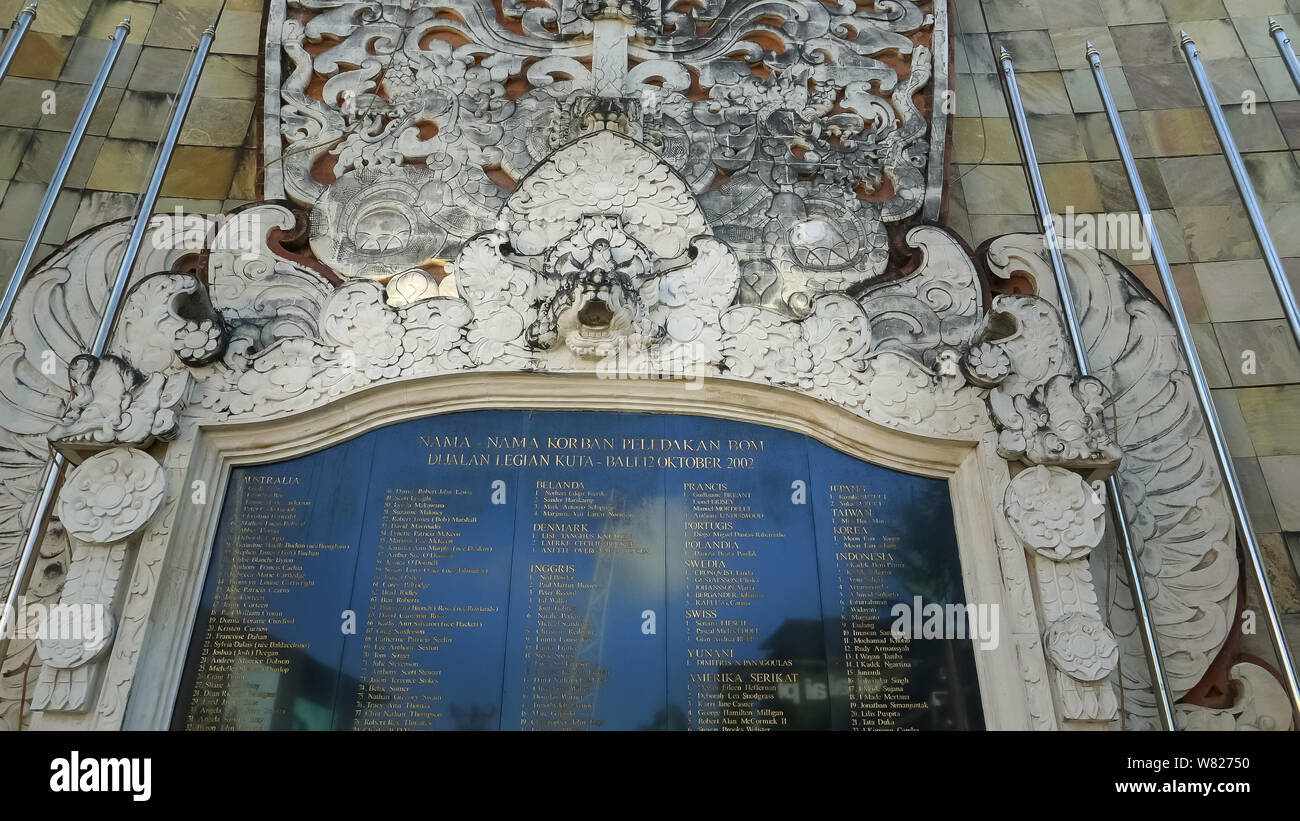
103, 503
1173, 490
406, 128
1054, 513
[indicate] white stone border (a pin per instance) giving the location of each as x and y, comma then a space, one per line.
1013, 689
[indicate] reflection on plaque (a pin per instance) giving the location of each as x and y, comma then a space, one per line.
575, 571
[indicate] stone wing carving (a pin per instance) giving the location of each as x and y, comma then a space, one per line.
1168, 476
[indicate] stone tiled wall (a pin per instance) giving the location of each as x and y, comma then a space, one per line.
215, 163
1217, 263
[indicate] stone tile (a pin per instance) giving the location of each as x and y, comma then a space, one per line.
1178, 132
13, 142
1217, 233
1121, 12
1070, 45
1254, 132
1259, 503
1281, 573
1184, 280
987, 226
1254, 8
1274, 80
1253, 32
1215, 39
1043, 92
42, 156
1282, 219
180, 23
1099, 140
1176, 10
1063, 15
244, 185
199, 172
88, 54
1282, 475
141, 116
1232, 423
965, 14
188, 206
1082, 88
1013, 15
1274, 175
1172, 235
1031, 50
1207, 350
20, 101
104, 15
239, 32
98, 207
22, 201
967, 99
1168, 85
1056, 138
1237, 291
41, 55
122, 165
1272, 352
996, 189
216, 122
981, 140
1201, 180
1288, 120
63, 17
1117, 195
1144, 45
10, 249
1234, 82
160, 70
1071, 185
69, 98
990, 100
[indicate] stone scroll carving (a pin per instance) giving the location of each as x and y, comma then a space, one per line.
406, 127
1174, 494
104, 502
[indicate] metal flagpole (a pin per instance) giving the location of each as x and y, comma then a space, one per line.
1244, 187
61, 171
21, 23
1283, 42
1141, 606
1184, 332
147, 201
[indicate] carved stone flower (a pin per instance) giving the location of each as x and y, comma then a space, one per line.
988, 364
1054, 512
1080, 646
197, 341
111, 495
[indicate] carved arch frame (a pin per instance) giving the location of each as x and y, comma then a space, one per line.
1014, 690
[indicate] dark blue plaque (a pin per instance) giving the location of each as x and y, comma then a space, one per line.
573, 571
